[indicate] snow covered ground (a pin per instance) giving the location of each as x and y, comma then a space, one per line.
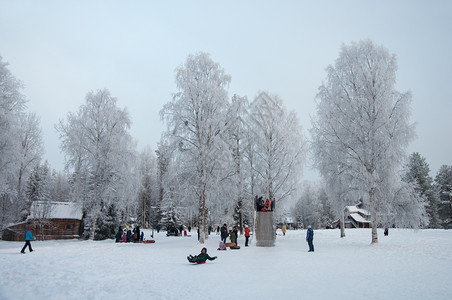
404, 265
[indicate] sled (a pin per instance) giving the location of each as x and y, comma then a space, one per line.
230, 244
148, 242
234, 247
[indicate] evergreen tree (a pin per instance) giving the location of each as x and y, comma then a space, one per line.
443, 183
418, 172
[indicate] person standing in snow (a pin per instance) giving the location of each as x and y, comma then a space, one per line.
224, 233
28, 237
233, 236
118, 235
283, 229
247, 235
310, 238
124, 235
128, 235
138, 234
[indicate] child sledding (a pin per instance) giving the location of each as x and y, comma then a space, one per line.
200, 258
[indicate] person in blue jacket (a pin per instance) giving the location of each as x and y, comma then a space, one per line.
309, 238
28, 237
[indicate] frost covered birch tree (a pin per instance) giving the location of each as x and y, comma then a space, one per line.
148, 187
196, 119
360, 113
20, 145
238, 116
99, 153
280, 149
330, 158
31, 151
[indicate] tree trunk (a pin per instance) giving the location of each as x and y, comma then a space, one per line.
342, 224
374, 217
202, 218
374, 230
93, 228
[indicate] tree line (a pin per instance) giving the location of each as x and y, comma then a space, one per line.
218, 152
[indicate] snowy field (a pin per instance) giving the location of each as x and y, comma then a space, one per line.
404, 265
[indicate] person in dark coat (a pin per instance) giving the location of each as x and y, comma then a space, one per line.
128, 235
224, 233
181, 229
189, 228
28, 237
233, 235
118, 235
310, 238
200, 258
138, 234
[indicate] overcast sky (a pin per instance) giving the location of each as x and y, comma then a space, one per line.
61, 50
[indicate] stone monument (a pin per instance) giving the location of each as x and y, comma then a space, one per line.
265, 231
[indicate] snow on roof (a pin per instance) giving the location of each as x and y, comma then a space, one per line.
354, 209
56, 210
358, 218
289, 220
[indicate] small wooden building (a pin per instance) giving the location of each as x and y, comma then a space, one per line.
355, 217
49, 221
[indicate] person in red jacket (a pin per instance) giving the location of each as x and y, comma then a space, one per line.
247, 235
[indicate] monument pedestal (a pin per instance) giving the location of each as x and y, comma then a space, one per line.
265, 231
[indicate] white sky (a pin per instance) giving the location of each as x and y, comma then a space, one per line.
61, 50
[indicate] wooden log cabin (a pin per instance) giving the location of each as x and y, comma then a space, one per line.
49, 221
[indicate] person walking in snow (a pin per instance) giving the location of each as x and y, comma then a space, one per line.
28, 237
200, 258
310, 238
247, 235
224, 233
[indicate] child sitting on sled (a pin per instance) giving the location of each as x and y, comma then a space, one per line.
200, 258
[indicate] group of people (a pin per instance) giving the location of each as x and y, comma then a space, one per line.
173, 231
267, 205
126, 235
232, 233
